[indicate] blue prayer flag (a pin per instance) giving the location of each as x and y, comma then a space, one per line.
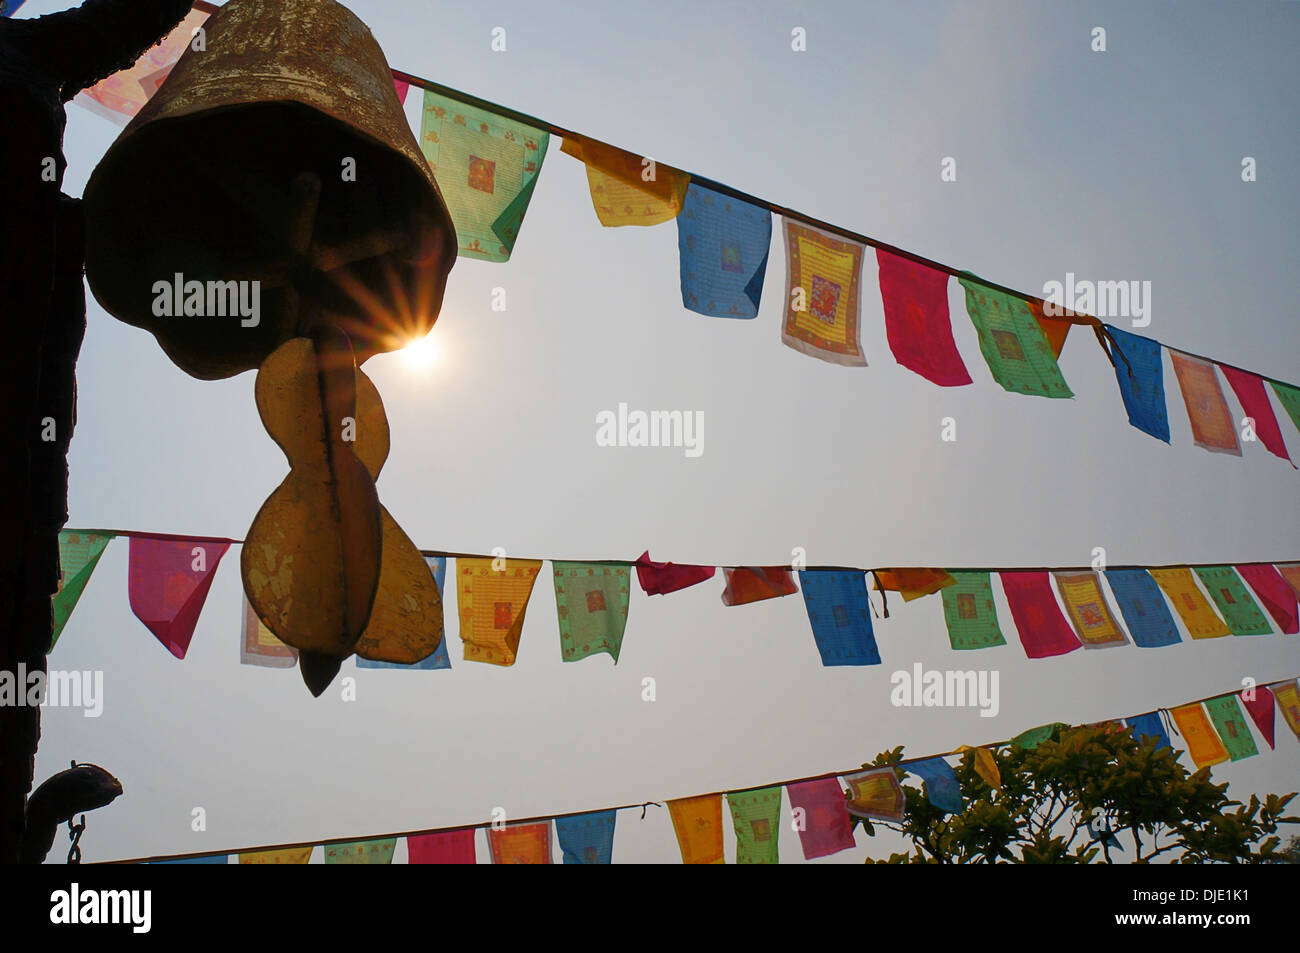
723, 244
1141, 382
1144, 608
9, 7
941, 785
840, 615
439, 658
587, 838
218, 859
1150, 726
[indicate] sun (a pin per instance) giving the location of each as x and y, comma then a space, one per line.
420, 354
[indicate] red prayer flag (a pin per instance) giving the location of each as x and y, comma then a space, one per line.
169, 581
1249, 389
660, 578
1261, 710
401, 87
915, 298
448, 847
826, 828
1276, 594
1044, 632
754, 583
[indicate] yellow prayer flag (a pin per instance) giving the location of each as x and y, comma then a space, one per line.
823, 300
1203, 744
1089, 612
628, 189
698, 824
1194, 609
1287, 696
492, 605
985, 766
292, 855
876, 793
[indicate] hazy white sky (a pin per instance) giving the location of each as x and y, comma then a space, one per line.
1115, 165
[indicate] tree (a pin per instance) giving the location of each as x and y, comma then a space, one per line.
1086, 795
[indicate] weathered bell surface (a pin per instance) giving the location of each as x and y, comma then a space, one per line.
205, 188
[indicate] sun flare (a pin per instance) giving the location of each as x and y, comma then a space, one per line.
420, 354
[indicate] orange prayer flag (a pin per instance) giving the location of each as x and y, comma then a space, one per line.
914, 583
628, 189
1055, 329
492, 601
1203, 744
1287, 696
521, 844
985, 765
698, 824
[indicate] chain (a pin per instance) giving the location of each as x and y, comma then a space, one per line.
74, 835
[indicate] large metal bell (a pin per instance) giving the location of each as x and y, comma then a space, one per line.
276, 153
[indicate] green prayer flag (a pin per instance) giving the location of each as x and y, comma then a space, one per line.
79, 552
968, 610
591, 600
1230, 723
756, 815
362, 852
1289, 398
1031, 739
1013, 343
1236, 606
486, 166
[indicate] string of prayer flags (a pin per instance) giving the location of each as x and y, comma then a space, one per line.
823, 295
658, 579
291, 855
840, 615
1043, 630
1276, 594
722, 244
1198, 616
1144, 609
1203, 745
913, 583
875, 794
941, 785
1231, 726
1258, 702
1013, 343
591, 600
491, 605
120, 96
1289, 398
447, 847
985, 765
169, 581
259, 646
362, 852
1149, 726
586, 838
79, 552
820, 817
1212, 426
1235, 604
1030, 739
1287, 696
487, 167
441, 657
915, 299
628, 189
746, 584
1250, 392
1094, 622
756, 816
969, 613
1140, 370
697, 821
520, 843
